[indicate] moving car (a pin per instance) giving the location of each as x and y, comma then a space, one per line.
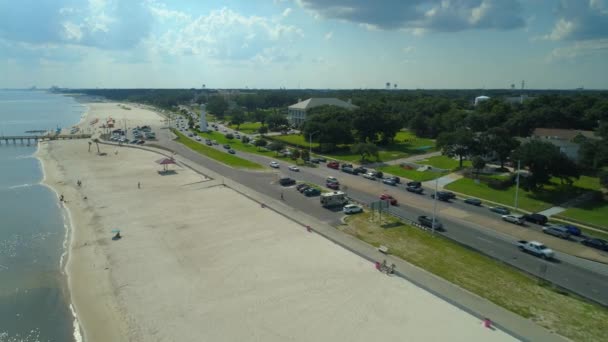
227, 146
500, 210
596, 243
415, 189
536, 218
370, 175
293, 168
444, 196
573, 230
388, 198
274, 164
315, 160
311, 192
395, 179
352, 209
349, 170
535, 248
359, 170
231, 151
516, 219
414, 184
286, 181
428, 222
556, 230
333, 165
473, 201
197, 138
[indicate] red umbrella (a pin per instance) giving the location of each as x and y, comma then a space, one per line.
165, 161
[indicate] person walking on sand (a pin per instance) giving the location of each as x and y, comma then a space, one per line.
138, 185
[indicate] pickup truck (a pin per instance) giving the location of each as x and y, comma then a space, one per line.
536, 248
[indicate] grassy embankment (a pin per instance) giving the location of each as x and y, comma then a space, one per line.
441, 162
223, 157
247, 127
567, 314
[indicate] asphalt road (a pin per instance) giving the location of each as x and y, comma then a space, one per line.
586, 278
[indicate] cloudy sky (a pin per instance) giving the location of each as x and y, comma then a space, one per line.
304, 43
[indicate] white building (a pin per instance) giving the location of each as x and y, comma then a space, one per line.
481, 98
296, 113
203, 119
564, 139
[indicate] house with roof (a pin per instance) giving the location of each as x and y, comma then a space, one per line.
568, 140
296, 113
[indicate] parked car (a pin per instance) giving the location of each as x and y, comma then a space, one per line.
596, 243
293, 168
389, 198
332, 185
500, 210
395, 179
321, 159
415, 189
286, 181
473, 201
536, 218
208, 143
312, 192
359, 170
197, 138
346, 165
301, 185
352, 209
333, 165
226, 146
428, 222
573, 230
444, 196
516, 219
349, 170
214, 142
331, 179
315, 160
231, 151
370, 175
414, 184
389, 181
140, 142
274, 164
556, 230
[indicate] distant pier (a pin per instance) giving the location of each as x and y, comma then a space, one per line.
28, 139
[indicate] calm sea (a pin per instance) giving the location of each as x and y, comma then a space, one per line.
34, 301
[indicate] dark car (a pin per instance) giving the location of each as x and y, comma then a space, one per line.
303, 188
360, 169
428, 222
573, 230
395, 179
312, 192
389, 181
473, 201
414, 184
536, 218
315, 160
596, 243
227, 146
348, 170
321, 159
414, 189
301, 185
347, 165
500, 210
333, 185
286, 181
134, 141
443, 196
140, 142
231, 151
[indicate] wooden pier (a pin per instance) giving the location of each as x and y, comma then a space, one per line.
27, 139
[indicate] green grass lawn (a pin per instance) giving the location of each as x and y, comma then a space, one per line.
444, 162
406, 144
552, 195
248, 127
564, 313
221, 156
595, 212
420, 176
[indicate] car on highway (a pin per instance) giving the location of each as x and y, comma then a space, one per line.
536, 248
333, 165
536, 218
415, 189
444, 196
473, 201
231, 151
359, 169
293, 168
349, 170
516, 219
557, 231
311, 192
208, 143
214, 142
500, 210
395, 179
197, 138
572, 229
596, 243
315, 160
426, 221
370, 175
286, 181
322, 159
346, 165
134, 141
352, 209
274, 164
414, 184
226, 146
390, 199
389, 181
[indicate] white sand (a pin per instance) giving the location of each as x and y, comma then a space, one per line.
200, 262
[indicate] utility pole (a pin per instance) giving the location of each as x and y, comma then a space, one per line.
517, 184
435, 205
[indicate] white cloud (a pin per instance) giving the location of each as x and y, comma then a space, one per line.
72, 31
580, 20
329, 35
286, 12
580, 49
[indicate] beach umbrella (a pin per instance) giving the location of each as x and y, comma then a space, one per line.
165, 162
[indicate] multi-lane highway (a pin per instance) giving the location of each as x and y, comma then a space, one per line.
587, 278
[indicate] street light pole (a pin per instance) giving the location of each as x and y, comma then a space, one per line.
517, 184
435, 205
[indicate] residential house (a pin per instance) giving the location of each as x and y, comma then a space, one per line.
296, 113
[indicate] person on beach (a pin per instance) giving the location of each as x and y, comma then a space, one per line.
61, 198
138, 185
79, 183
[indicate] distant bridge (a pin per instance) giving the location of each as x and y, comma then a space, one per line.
35, 138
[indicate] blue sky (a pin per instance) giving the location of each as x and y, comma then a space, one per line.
304, 43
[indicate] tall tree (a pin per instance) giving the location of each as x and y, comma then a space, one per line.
217, 106
478, 163
328, 125
365, 150
276, 120
501, 142
237, 117
460, 143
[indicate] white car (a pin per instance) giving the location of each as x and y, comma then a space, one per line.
294, 168
369, 175
516, 219
352, 209
197, 138
331, 179
274, 164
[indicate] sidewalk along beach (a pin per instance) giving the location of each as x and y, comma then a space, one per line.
197, 261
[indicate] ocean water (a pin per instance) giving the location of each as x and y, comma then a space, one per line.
34, 301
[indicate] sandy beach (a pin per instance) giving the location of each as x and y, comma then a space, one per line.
200, 262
